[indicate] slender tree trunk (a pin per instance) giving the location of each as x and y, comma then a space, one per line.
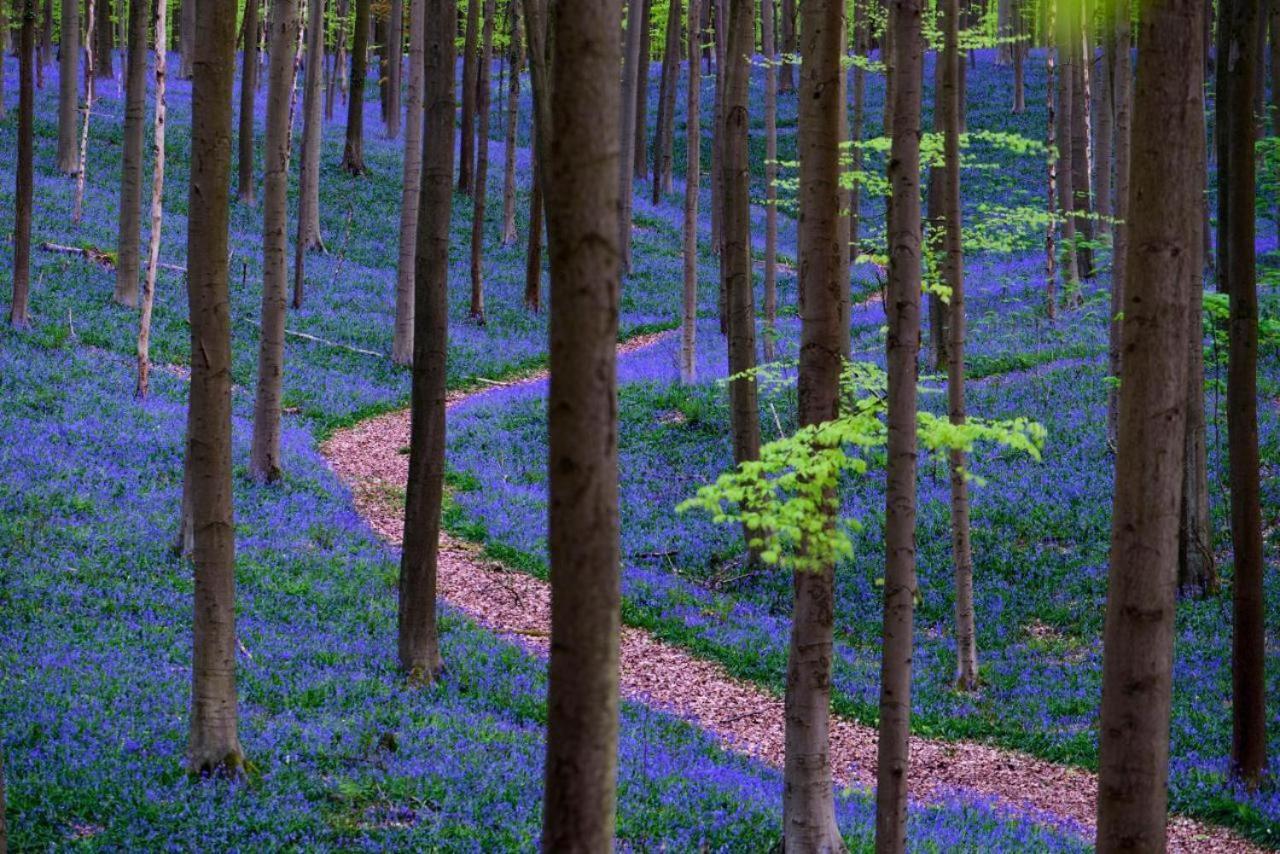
808, 804
394, 52
157, 208
353, 153
642, 95
533, 250
627, 109
214, 746
104, 41
309, 171
664, 136
1019, 60
903, 305
1083, 198
338, 82
18, 314
248, 86
513, 115
264, 454
735, 258
1237, 71
1051, 185
859, 97
770, 178
1275, 68
1122, 84
402, 340
419, 644
538, 37
1138, 636
582, 533
481, 189
68, 90
935, 237
186, 38
1072, 261
467, 151
128, 242
77, 205
46, 42
1102, 138
693, 178
787, 25
717, 161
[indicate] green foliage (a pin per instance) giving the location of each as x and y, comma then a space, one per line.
787, 499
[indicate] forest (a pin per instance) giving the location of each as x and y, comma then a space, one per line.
640, 425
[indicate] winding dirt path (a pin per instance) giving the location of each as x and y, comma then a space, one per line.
745, 717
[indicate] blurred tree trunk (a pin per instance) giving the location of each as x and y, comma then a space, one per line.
627, 111
641, 166
1064, 35
1103, 135
513, 115
480, 194
419, 644
533, 249
1019, 59
410, 187
353, 151
18, 313
693, 178
787, 25
1161, 272
903, 307
248, 86
935, 228
664, 136
214, 746
68, 88
467, 149
859, 98
1122, 86
104, 41
581, 180
186, 38
309, 172
128, 240
770, 179
394, 52
337, 80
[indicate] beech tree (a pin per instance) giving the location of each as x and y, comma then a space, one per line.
393, 50
630, 81
693, 177
248, 86
353, 152
664, 133
157, 217
808, 806
770, 177
639, 148
1064, 34
902, 304
1237, 275
1161, 270
214, 745
480, 189
68, 85
264, 453
23, 178
513, 115
128, 242
418, 642
411, 185
77, 205
581, 185
470, 73
309, 172
186, 37
1121, 78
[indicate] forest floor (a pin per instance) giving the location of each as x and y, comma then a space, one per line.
370, 458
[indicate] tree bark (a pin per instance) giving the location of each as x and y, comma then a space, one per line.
1080, 172
157, 212
533, 249
513, 115
419, 645
353, 152
627, 110
1137, 664
859, 98
264, 453
1237, 73
808, 805
693, 178
411, 185
1102, 138
77, 205
1051, 185
186, 38
771, 177
214, 746
481, 189
640, 149
581, 189
467, 151
1064, 35
68, 89
128, 242
23, 179
394, 52
903, 298
104, 41
935, 233
1122, 85
309, 171
248, 86
337, 82
46, 42
1019, 60
787, 25
664, 136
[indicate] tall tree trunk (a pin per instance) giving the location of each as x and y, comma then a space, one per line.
641, 165
68, 89
903, 299
1103, 136
248, 86
717, 161
1122, 85
419, 644
693, 178
46, 42
1064, 36
394, 52
953, 274
735, 255
582, 532
808, 804
337, 80
1237, 71
787, 25
104, 41
770, 178
1004, 32
1019, 60
533, 248
1051, 185
264, 453
467, 151
513, 115
1080, 173
214, 746
664, 135
77, 205
353, 152
186, 38
411, 185
157, 208
23, 179
935, 237
309, 171
861, 48
627, 111
1137, 666
1275, 68
481, 189
538, 37
128, 242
